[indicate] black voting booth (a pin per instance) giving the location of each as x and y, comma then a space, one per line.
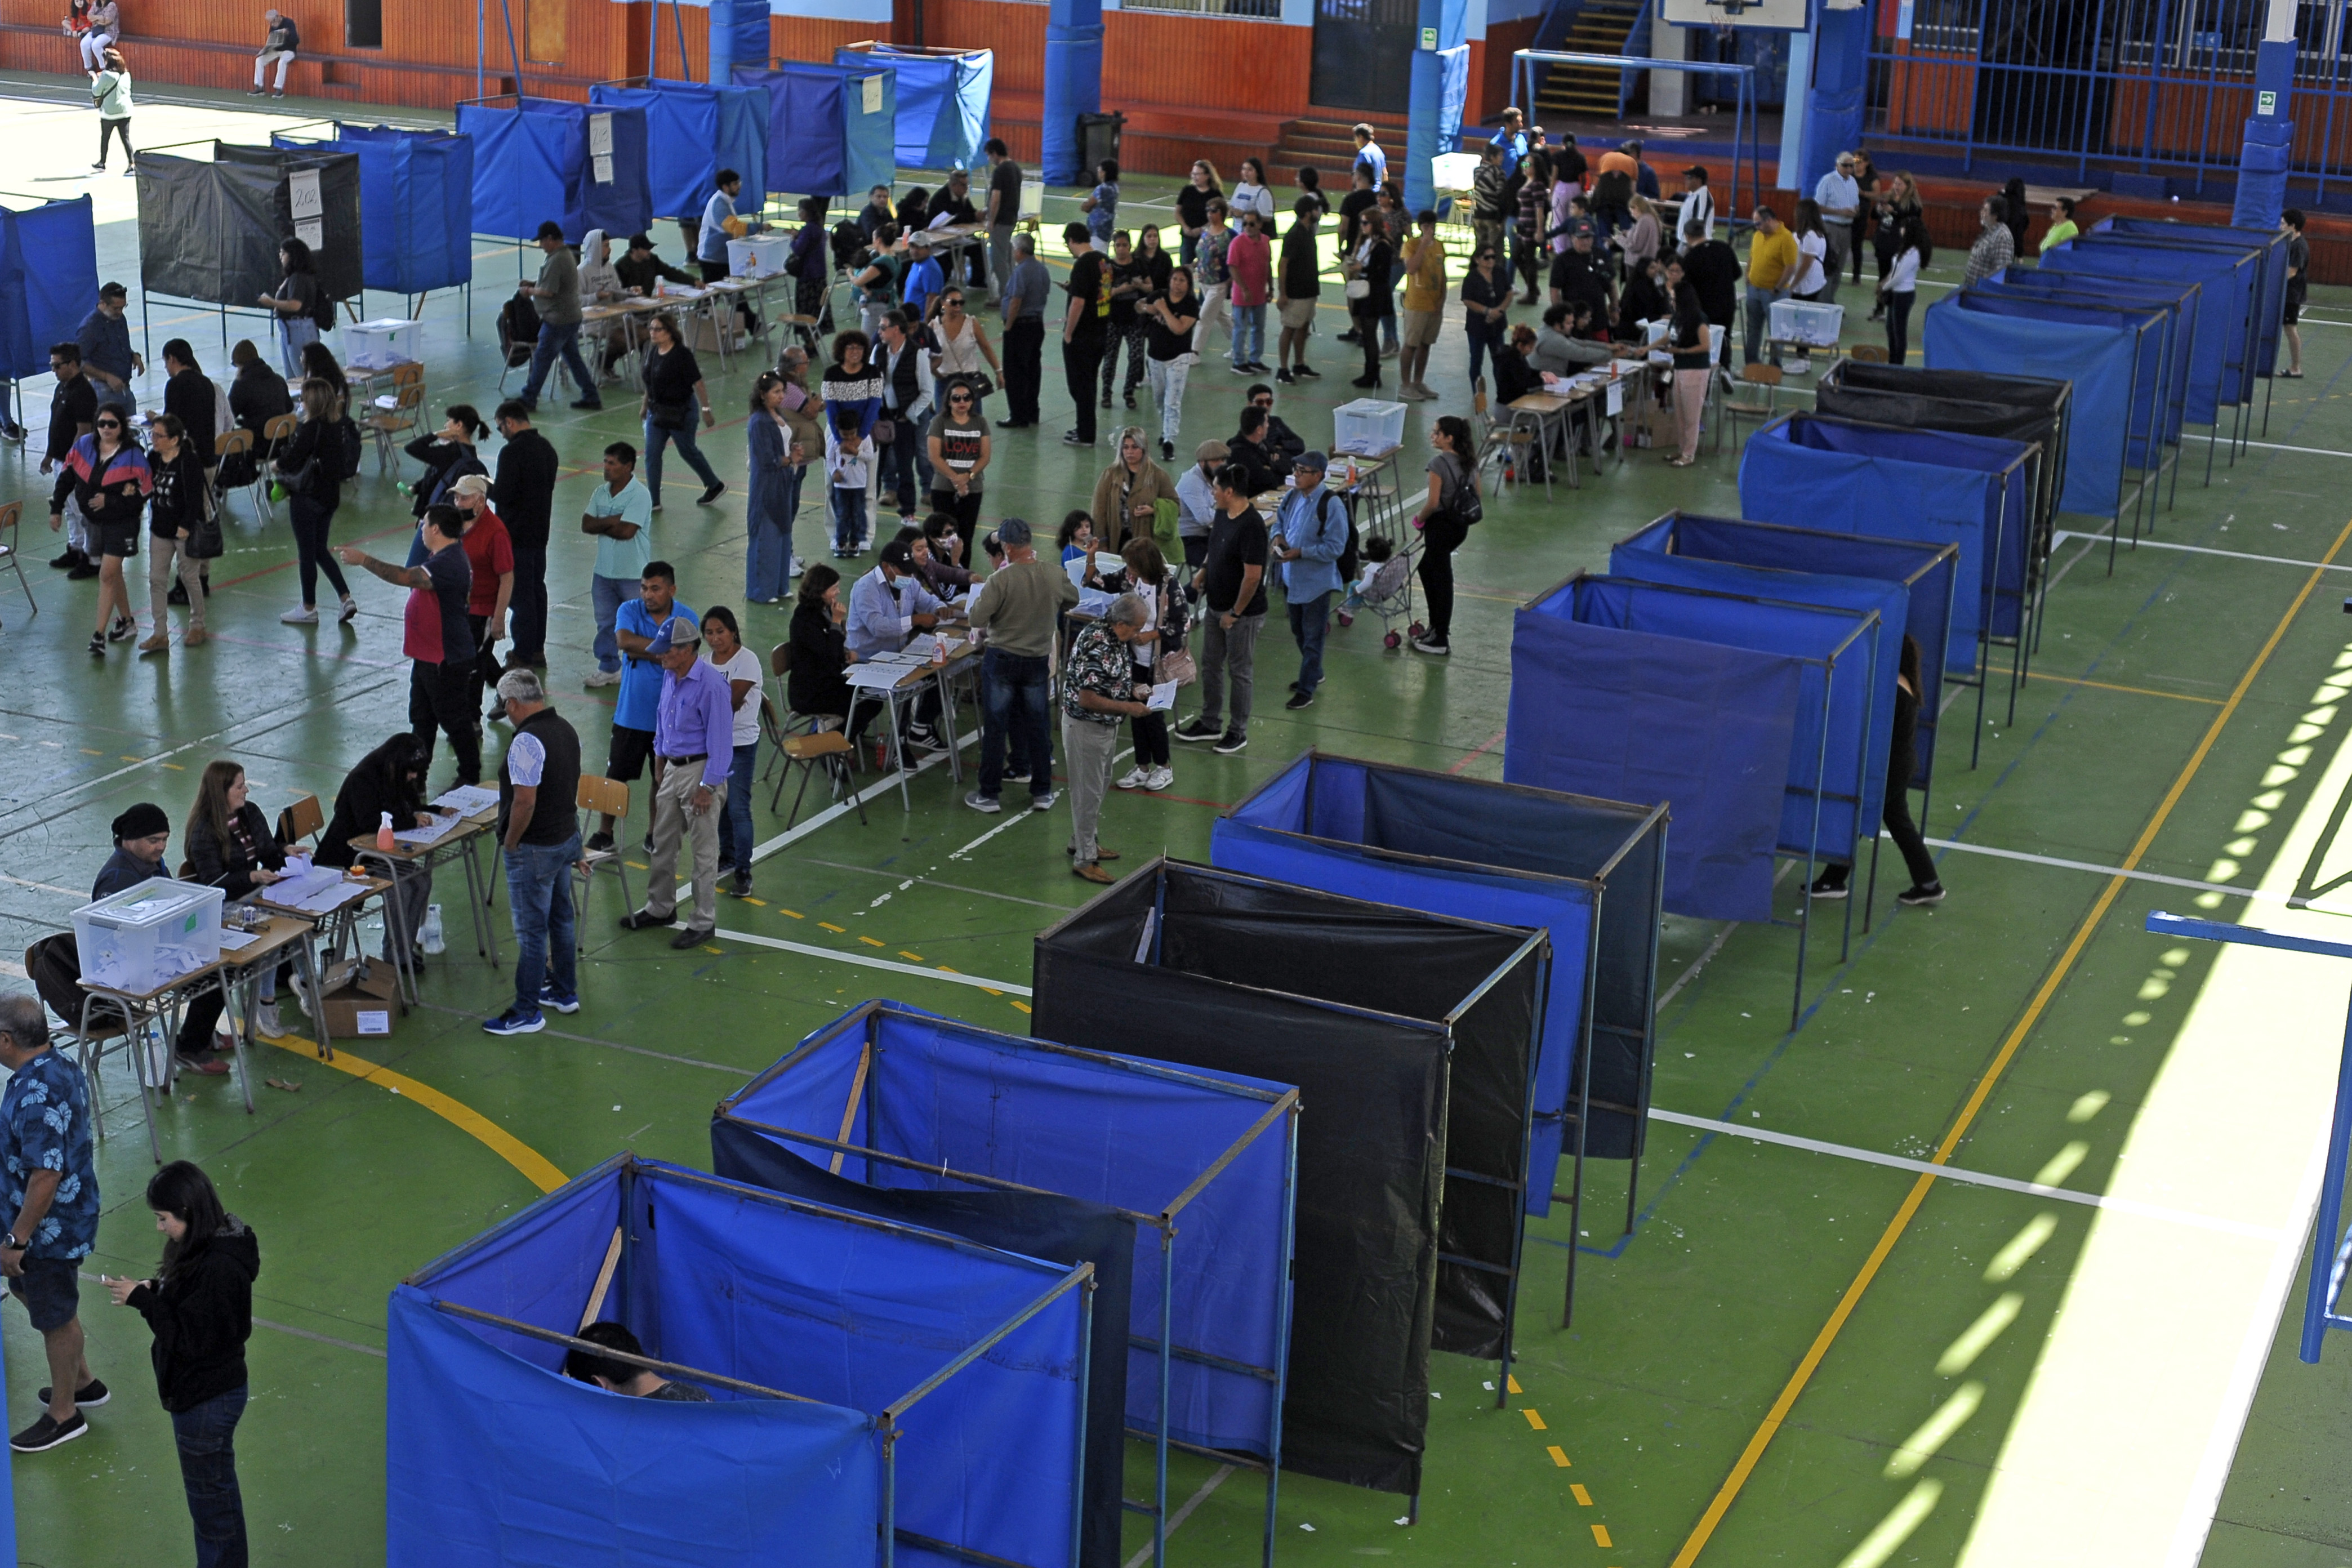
1413, 1040
209, 232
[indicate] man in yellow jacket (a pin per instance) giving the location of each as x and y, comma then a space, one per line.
1771, 262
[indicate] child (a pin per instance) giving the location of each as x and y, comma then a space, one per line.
1102, 207
1377, 554
1077, 537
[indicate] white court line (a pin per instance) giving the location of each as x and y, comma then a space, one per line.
871, 793
2312, 451
2203, 549
1216, 1478
2187, 882
1973, 1178
859, 959
39, 886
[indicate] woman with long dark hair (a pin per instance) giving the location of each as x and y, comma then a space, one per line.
199, 1307
818, 685
674, 400
1444, 521
1913, 251
311, 469
449, 455
106, 473
295, 305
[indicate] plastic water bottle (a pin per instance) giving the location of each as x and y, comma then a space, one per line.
430, 938
383, 838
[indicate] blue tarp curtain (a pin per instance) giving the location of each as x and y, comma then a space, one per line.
1122, 1132
417, 205
821, 139
2100, 358
49, 275
693, 130
2154, 401
942, 109
494, 1459
2176, 307
2229, 285
532, 165
1928, 573
1972, 492
1702, 728
1589, 871
2269, 244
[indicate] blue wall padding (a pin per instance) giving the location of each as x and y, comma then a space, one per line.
2262, 166
417, 206
531, 165
1007, 1107
49, 275
1074, 50
493, 1460
942, 102
693, 130
1626, 715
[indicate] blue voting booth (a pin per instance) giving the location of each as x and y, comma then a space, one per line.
417, 205
693, 130
942, 101
1588, 871
960, 1127
49, 275
2029, 291
830, 127
815, 1331
2268, 246
535, 161
1748, 717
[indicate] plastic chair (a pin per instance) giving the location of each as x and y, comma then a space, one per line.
406, 416
12, 553
603, 797
1496, 442
1732, 409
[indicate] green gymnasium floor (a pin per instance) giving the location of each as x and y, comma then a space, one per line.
1802, 1355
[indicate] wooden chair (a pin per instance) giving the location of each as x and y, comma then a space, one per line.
1732, 409
1866, 353
1495, 442
599, 796
274, 433
238, 443
795, 739
406, 418
12, 548
302, 818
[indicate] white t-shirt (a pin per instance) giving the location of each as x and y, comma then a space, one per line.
1811, 250
744, 666
1903, 279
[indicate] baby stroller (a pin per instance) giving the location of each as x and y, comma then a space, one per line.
1388, 593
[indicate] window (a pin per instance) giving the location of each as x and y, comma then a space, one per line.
1269, 9
363, 24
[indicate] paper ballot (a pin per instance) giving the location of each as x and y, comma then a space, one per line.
1163, 698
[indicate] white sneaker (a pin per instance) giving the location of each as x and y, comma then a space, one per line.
1160, 778
603, 677
266, 1021
351, 609
303, 615
1044, 802
1134, 778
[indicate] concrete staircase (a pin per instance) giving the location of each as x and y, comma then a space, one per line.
1589, 92
1330, 144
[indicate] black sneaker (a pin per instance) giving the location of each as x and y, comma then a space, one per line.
590, 405
48, 1432
1924, 893
1230, 742
88, 1397
650, 844
82, 571
98, 644
598, 843
717, 488
1829, 886
1303, 368
1072, 439
1197, 729
179, 593
1021, 777
643, 919
1282, 377
1297, 699
741, 887
69, 560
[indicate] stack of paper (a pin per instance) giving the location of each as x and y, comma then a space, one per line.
417, 837
470, 800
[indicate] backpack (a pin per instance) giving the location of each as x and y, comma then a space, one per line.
519, 325
323, 313
347, 450
847, 240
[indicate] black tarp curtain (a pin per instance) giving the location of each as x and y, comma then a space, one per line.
1411, 1039
210, 231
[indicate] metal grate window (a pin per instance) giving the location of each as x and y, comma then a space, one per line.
1267, 10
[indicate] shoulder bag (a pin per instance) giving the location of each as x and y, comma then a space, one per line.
1175, 662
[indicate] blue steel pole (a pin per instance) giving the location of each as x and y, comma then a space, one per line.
1282, 1331
1166, 1345
2328, 1231
1085, 1376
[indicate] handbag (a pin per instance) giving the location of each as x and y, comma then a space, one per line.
670, 416
1174, 663
204, 541
886, 430
1360, 287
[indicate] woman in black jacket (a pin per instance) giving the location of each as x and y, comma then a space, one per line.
228, 845
256, 396
1375, 257
676, 401
199, 1306
312, 469
448, 456
819, 683
390, 779
179, 525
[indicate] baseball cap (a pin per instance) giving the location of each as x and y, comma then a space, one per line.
1016, 530
675, 633
898, 554
1314, 461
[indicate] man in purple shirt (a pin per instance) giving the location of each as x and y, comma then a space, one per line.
694, 748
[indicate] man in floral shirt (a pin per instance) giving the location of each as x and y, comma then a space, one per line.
1098, 690
48, 1187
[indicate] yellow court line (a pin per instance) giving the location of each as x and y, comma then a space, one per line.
1749, 1456
2137, 690
536, 1167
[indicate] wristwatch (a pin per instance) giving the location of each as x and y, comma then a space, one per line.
16, 1245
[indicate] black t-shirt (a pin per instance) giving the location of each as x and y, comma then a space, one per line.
1713, 269
1581, 276
1122, 303
188, 397
452, 578
303, 290
1164, 344
670, 377
1004, 183
959, 209
1234, 542
1089, 280
1193, 207
73, 405
1300, 263
1351, 209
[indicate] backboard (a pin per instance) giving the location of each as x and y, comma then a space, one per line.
1782, 15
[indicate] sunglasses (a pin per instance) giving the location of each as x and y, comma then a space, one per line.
959, 397
109, 424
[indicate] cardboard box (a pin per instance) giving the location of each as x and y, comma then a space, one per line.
365, 1003
702, 339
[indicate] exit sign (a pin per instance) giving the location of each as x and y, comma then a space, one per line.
2266, 103
1429, 42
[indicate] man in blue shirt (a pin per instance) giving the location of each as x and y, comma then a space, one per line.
923, 279
1369, 151
887, 607
48, 1194
634, 708
107, 358
694, 741
1311, 534
1513, 141
711, 244
621, 517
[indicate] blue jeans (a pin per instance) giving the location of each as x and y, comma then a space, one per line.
1483, 339
1013, 694
735, 825
552, 341
294, 334
849, 517
611, 593
1249, 334
906, 466
539, 886
1310, 619
768, 563
206, 1436
656, 439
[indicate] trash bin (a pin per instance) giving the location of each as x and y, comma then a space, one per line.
1097, 139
